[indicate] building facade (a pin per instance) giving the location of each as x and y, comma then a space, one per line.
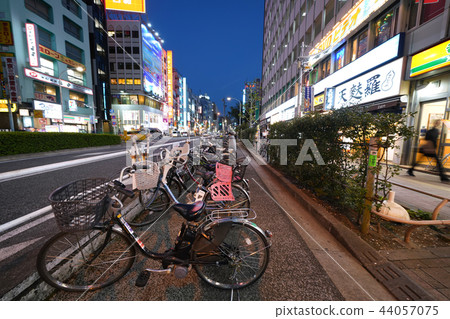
136, 73
346, 53
50, 51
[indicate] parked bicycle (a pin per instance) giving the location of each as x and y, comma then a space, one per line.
96, 246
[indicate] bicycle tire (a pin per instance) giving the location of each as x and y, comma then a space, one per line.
241, 200
155, 205
231, 255
85, 260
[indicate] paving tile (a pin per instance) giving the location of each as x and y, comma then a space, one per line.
405, 254
414, 263
445, 292
441, 251
440, 275
419, 279
433, 262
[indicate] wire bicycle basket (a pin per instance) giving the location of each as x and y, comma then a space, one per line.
146, 175
80, 204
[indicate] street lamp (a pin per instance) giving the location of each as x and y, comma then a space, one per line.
79, 69
240, 107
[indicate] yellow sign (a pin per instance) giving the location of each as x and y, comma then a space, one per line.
434, 58
58, 56
319, 99
6, 37
126, 5
4, 106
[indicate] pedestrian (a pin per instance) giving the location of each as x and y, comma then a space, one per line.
429, 149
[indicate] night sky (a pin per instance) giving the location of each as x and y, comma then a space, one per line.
217, 45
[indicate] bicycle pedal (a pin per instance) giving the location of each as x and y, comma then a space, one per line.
142, 279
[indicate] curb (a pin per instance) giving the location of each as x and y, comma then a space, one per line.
388, 274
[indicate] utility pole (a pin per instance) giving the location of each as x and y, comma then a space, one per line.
300, 80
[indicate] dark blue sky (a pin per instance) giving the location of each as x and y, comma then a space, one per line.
217, 45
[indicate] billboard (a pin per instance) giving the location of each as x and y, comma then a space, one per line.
126, 5
152, 63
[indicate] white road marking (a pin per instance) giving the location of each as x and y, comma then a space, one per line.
13, 249
21, 229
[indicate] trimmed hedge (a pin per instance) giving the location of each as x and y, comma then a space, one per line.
12, 143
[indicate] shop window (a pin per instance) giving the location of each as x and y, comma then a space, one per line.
74, 53
47, 67
72, 28
141, 99
40, 8
75, 76
359, 45
45, 38
339, 58
43, 88
134, 99
385, 27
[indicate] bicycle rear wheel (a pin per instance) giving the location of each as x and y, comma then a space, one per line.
85, 260
231, 255
241, 200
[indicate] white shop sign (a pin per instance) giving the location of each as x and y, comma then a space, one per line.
379, 84
51, 110
50, 79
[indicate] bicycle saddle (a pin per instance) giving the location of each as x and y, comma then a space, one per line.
190, 212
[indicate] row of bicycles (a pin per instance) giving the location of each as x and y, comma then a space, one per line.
205, 185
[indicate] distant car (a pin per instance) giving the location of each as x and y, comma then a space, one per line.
184, 133
175, 133
156, 133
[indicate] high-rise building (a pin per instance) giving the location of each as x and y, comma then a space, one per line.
46, 43
374, 53
136, 72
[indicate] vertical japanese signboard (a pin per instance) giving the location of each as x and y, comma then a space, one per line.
170, 83
33, 44
308, 98
10, 68
6, 37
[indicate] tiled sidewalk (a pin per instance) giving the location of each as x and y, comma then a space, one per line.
430, 268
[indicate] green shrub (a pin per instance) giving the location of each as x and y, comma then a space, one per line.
33, 142
342, 179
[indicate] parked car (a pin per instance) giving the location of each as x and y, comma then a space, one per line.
184, 133
175, 133
156, 133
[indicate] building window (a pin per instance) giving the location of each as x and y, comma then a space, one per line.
329, 11
385, 27
119, 34
45, 38
114, 81
120, 65
317, 26
128, 50
127, 34
137, 81
75, 76
119, 50
74, 53
129, 81
325, 67
135, 34
44, 88
80, 97
428, 10
112, 50
72, 6
73, 29
40, 8
135, 50
128, 65
47, 67
339, 58
359, 45
136, 66
112, 66
122, 81
340, 4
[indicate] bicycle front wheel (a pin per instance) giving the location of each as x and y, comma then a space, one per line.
85, 260
231, 255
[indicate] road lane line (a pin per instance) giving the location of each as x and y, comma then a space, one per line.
25, 219
13, 249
